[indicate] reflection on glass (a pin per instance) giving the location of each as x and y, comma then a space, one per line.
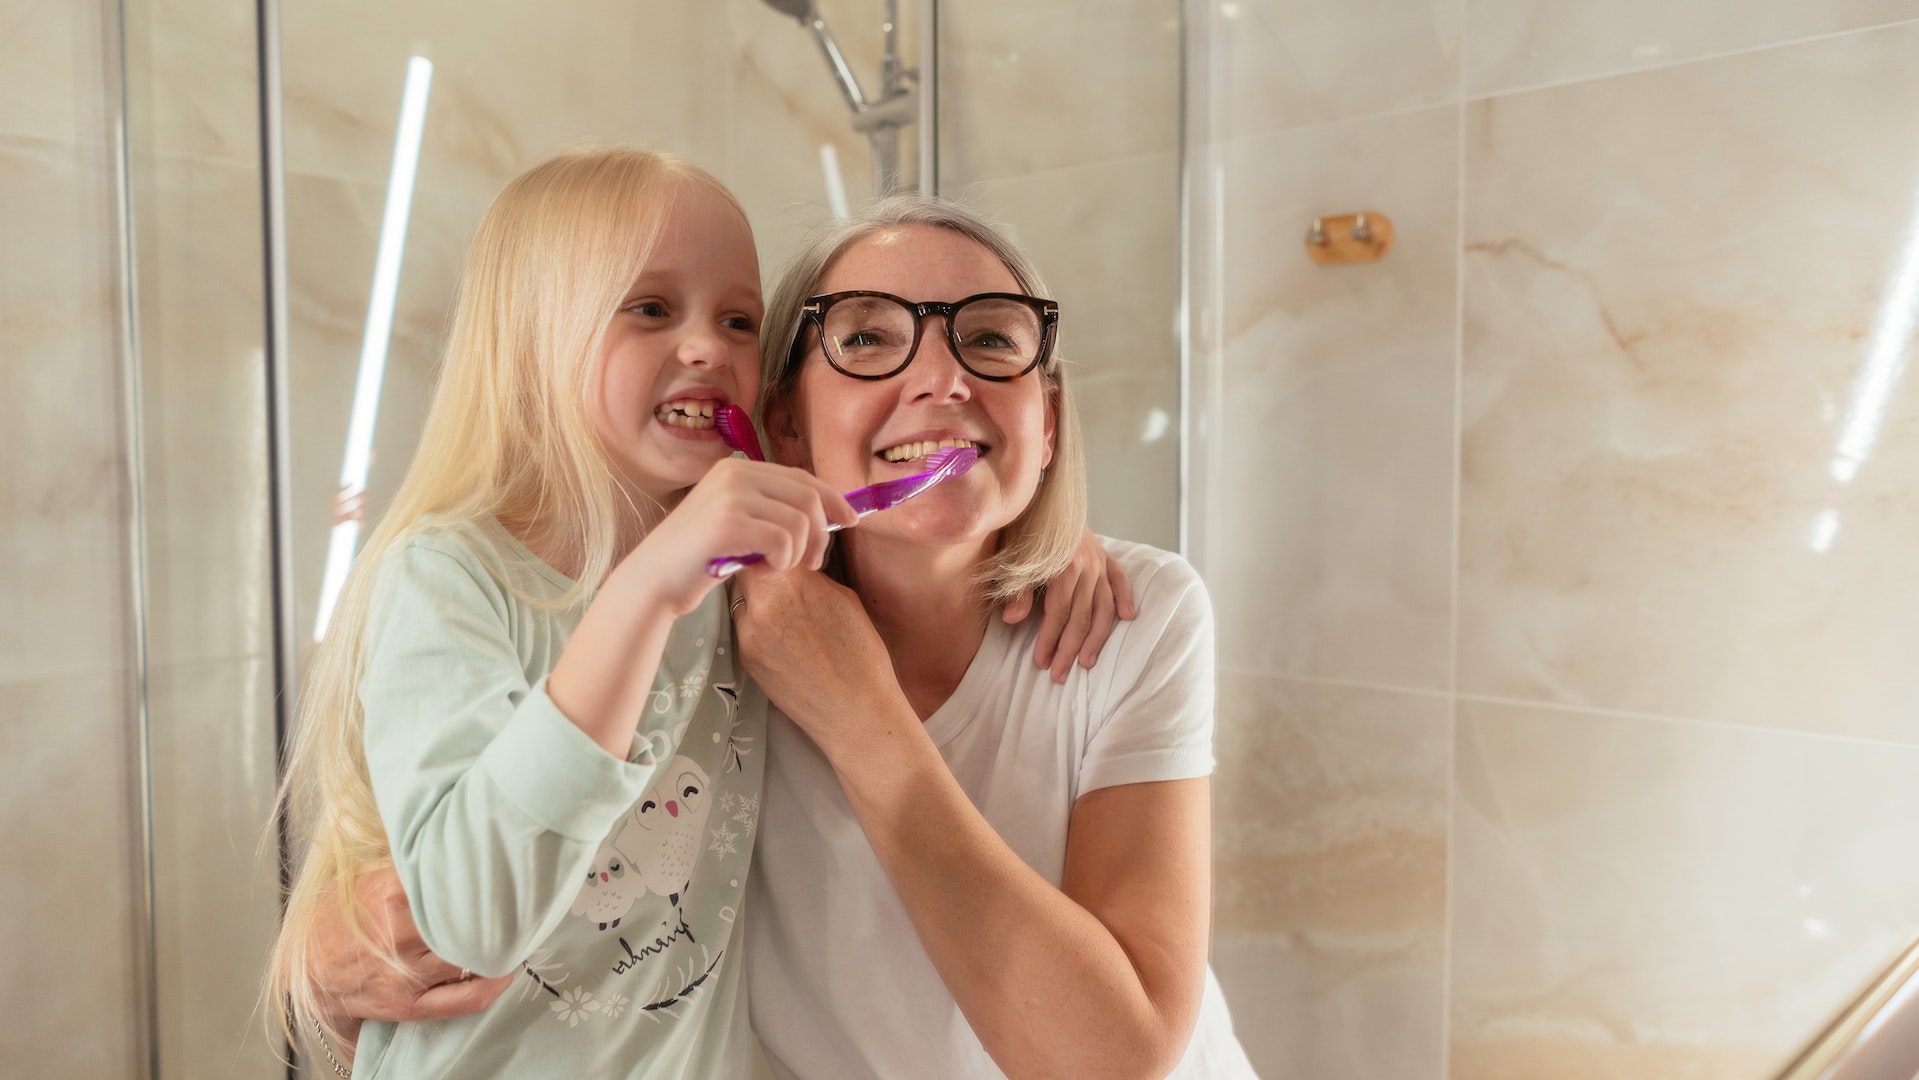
351, 502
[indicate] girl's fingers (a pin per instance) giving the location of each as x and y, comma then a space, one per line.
1016, 609
1123, 605
1102, 625
1078, 624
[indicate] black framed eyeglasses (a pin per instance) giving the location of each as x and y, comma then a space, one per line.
874, 335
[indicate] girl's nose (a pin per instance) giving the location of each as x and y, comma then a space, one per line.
702, 347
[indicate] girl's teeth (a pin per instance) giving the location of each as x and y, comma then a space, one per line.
915, 450
689, 414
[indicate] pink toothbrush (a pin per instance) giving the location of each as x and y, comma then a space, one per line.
942, 464
737, 429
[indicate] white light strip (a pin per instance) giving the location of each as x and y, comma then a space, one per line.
358, 457
339, 559
835, 186
1885, 360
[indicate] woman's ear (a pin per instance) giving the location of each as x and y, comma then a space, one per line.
1052, 423
788, 445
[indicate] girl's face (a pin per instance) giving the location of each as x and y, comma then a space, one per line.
852, 432
683, 344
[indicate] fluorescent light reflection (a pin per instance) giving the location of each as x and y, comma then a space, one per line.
358, 456
835, 184
1885, 360
1824, 528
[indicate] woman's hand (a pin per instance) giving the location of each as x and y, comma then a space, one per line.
808, 642
1082, 604
740, 507
361, 984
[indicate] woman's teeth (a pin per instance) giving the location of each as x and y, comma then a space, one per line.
914, 450
688, 414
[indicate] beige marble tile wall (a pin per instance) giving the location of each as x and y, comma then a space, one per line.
1561, 557
1062, 122
71, 896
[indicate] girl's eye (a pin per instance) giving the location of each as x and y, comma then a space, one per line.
652, 309
740, 322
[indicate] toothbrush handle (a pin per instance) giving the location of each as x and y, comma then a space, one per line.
727, 565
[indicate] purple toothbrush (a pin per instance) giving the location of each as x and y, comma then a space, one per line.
737, 429
941, 465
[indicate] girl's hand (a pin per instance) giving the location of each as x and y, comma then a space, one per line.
740, 507
1082, 604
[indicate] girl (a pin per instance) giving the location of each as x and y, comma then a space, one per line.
527, 701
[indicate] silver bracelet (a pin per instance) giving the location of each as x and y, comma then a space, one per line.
339, 1070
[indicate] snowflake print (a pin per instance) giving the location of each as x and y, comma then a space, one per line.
722, 844
748, 811
574, 1005
614, 1006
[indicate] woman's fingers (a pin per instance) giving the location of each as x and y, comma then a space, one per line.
458, 998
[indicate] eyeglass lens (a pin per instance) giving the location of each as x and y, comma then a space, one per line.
872, 335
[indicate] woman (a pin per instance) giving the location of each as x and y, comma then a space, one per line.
965, 867
961, 860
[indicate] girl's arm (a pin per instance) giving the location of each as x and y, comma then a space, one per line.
1101, 976
495, 792
602, 679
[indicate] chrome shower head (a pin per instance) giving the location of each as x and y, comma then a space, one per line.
798, 9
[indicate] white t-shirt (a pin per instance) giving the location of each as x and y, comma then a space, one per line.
840, 985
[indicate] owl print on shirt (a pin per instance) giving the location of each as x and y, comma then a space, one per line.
654, 848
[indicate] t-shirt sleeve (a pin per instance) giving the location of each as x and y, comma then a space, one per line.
493, 801
1155, 719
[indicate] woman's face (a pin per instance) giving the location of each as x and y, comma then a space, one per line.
853, 432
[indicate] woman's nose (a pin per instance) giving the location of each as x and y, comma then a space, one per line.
935, 372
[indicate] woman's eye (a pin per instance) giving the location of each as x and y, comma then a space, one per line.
990, 341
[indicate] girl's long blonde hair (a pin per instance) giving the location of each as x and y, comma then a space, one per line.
1038, 544
508, 435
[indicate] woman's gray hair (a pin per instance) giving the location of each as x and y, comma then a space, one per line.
1039, 543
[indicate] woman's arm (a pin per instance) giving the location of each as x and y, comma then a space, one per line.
360, 984
1099, 977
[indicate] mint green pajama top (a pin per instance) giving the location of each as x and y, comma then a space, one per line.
609, 889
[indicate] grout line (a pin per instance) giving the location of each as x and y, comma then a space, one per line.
1453, 620
1602, 711
1460, 96
1702, 58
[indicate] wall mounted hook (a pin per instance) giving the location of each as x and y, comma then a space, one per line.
1342, 239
